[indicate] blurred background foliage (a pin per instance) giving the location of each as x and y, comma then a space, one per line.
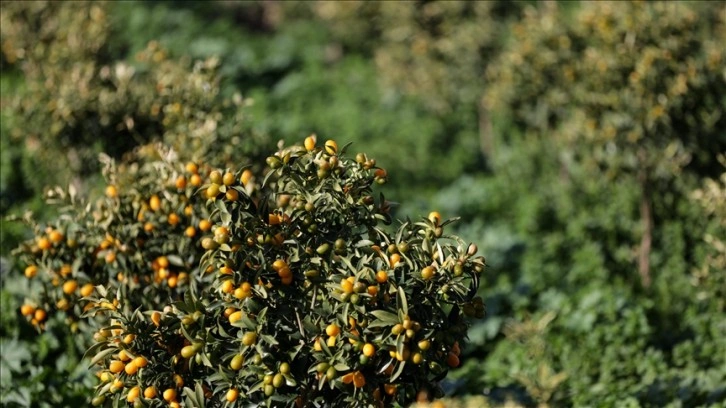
580, 141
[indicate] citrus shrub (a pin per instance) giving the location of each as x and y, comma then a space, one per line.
616, 98
302, 297
138, 242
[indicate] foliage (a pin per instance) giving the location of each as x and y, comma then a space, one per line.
142, 235
617, 97
80, 98
600, 123
40, 370
301, 297
310, 78
578, 159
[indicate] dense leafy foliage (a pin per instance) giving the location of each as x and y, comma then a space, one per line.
594, 177
300, 265
580, 141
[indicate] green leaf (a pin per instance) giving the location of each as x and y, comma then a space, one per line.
402, 303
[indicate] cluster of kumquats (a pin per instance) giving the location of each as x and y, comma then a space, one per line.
287, 291
140, 240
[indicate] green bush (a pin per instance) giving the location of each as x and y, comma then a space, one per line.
596, 188
299, 296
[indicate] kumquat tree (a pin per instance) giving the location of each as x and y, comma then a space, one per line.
201, 287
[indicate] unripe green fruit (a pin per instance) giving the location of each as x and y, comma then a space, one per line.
274, 162
278, 380
331, 374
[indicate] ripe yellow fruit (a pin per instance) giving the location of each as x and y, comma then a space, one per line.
274, 219
215, 177
172, 219
279, 264
192, 167
331, 147
435, 217
346, 286
133, 394
111, 191
241, 294
310, 143
181, 183
369, 350
285, 273
227, 286
178, 380
69, 287
427, 273
347, 379
205, 225
27, 310
150, 392
116, 366
155, 203
245, 177
40, 315
123, 356
395, 259
117, 385
87, 289
190, 231
234, 317
232, 395
232, 195
332, 330
56, 236
156, 318
106, 377
169, 395
228, 179
195, 180
131, 368
66, 270
141, 362
31, 271
359, 380
212, 191
44, 243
